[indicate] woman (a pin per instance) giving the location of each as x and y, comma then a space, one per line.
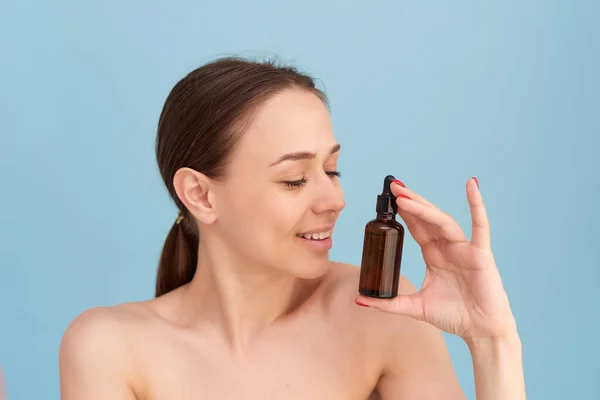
248, 304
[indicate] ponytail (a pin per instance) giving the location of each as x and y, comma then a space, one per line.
178, 258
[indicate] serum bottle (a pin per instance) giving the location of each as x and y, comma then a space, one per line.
382, 248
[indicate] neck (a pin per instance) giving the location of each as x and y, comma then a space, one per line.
239, 299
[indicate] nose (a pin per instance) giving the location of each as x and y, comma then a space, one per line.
329, 196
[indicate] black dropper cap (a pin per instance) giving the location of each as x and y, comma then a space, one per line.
386, 201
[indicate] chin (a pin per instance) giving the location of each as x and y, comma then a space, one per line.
311, 268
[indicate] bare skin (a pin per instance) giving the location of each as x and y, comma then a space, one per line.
324, 348
2, 385
269, 316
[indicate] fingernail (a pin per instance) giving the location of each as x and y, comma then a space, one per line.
405, 196
476, 181
399, 183
360, 304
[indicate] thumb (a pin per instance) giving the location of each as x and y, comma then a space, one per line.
409, 305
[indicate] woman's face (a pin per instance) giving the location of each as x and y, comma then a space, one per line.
282, 184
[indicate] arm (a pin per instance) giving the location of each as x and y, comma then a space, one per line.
462, 292
498, 368
93, 359
419, 367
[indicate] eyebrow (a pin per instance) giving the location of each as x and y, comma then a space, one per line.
302, 155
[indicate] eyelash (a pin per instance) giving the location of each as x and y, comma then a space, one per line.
302, 182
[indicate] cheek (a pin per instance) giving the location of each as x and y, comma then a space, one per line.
274, 215
260, 219
273, 223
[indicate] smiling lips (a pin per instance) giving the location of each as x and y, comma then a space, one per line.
315, 235
320, 233
317, 240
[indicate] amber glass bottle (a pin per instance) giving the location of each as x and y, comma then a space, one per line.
382, 248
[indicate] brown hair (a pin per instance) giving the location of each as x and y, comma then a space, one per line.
202, 119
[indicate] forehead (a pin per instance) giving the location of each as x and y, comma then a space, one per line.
293, 120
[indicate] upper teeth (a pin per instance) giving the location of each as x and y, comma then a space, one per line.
320, 235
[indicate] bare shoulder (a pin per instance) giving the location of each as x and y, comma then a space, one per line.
342, 285
102, 326
94, 355
412, 354
104, 331
341, 290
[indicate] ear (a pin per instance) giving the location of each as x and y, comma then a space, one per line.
194, 189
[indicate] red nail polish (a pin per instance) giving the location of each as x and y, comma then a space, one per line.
405, 196
399, 183
476, 181
360, 304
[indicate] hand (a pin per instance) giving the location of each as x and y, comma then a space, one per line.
462, 292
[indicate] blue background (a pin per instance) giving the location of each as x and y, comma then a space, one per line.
433, 92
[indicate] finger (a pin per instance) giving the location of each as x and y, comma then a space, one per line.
399, 188
409, 305
421, 231
480, 231
445, 224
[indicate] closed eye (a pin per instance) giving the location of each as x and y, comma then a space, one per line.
295, 184
302, 182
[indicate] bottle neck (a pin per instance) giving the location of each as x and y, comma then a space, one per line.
383, 216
